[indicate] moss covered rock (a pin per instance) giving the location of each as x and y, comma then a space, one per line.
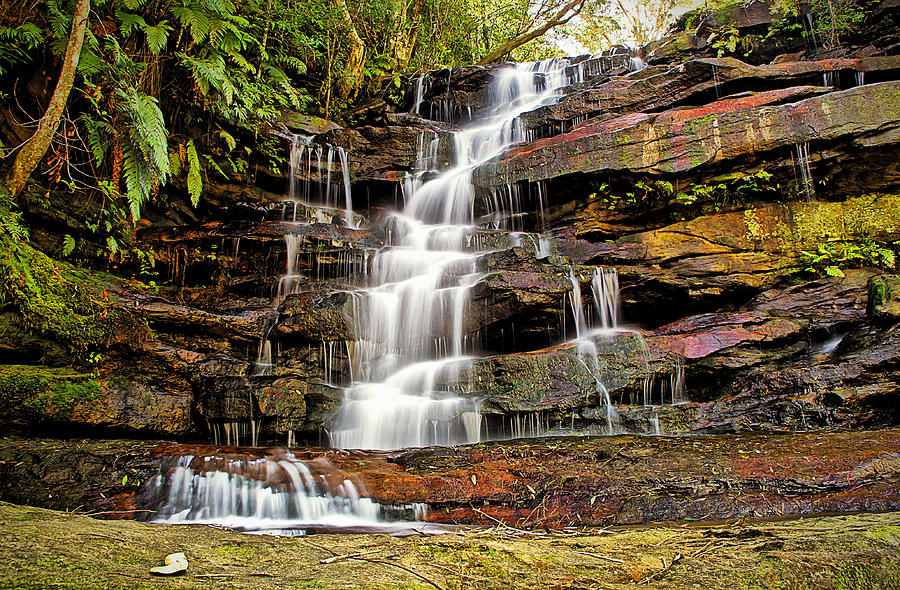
44, 394
884, 297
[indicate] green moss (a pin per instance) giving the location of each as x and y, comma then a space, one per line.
868, 576
42, 393
238, 551
885, 534
52, 298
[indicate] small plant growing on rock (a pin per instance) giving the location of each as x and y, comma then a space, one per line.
832, 258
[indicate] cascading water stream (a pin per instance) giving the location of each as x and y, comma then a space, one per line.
410, 324
268, 495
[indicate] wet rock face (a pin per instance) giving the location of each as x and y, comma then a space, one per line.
681, 141
749, 208
555, 482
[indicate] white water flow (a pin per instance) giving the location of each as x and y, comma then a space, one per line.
302, 192
410, 323
607, 301
586, 348
311, 184
284, 495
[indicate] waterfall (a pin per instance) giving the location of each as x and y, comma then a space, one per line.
607, 301
419, 89
802, 152
310, 183
263, 495
345, 176
409, 324
586, 348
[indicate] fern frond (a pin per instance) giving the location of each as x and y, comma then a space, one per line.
68, 245
174, 163
133, 4
96, 144
137, 183
157, 37
211, 163
130, 22
15, 43
241, 62
229, 140
295, 64
195, 21
194, 179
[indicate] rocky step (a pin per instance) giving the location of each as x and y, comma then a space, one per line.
713, 260
660, 88
722, 132
550, 482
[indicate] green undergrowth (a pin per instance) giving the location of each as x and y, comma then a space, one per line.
52, 298
44, 393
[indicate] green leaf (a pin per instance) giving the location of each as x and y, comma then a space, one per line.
130, 22
229, 140
212, 164
834, 271
194, 180
68, 245
125, 479
174, 163
157, 37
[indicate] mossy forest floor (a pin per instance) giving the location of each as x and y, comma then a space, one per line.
47, 549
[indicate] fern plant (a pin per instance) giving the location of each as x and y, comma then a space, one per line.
17, 44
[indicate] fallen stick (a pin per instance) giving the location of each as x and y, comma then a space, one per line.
397, 565
662, 572
500, 522
104, 536
598, 556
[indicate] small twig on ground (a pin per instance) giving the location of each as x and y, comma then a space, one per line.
457, 573
121, 540
660, 573
500, 522
397, 565
536, 508
319, 547
669, 538
702, 549
112, 512
598, 556
334, 558
614, 455
255, 574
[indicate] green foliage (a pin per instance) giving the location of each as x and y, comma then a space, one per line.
151, 70
725, 41
49, 298
737, 188
18, 44
42, 393
832, 257
68, 245
641, 191
832, 19
11, 221
194, 180
144, 145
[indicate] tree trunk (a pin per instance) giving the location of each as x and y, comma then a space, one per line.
562, 16
406, 32
352, 79
35, 148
